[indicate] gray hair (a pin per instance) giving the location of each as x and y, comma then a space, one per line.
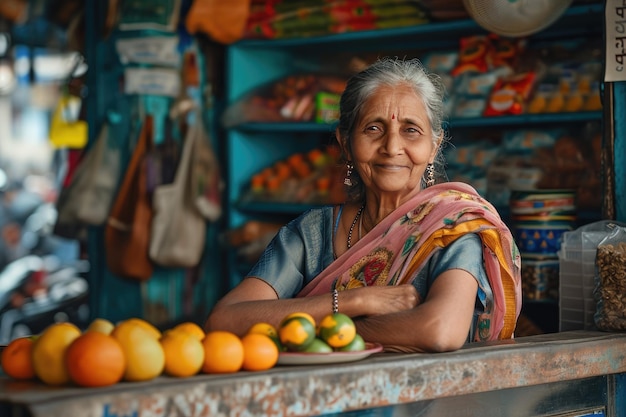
391, 72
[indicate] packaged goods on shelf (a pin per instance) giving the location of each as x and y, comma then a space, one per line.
540, 278
311, 178
289, 19
295, 98
547, 159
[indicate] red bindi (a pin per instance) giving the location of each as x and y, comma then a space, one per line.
393, 116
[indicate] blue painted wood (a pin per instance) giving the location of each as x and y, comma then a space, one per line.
620, 395
109, 296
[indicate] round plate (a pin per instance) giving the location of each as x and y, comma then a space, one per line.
302, 358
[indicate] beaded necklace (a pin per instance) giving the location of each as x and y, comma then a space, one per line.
356, 218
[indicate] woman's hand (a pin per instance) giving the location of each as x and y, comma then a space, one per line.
378, 300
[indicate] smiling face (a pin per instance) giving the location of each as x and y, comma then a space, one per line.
392, 142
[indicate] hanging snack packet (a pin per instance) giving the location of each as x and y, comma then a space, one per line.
510, 95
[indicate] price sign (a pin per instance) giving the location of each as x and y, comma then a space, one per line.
615, 15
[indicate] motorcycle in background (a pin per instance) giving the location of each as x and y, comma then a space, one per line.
46, 285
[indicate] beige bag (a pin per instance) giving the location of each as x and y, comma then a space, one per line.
102, 176
88, 198
178, 228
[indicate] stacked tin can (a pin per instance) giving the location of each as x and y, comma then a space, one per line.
539, 219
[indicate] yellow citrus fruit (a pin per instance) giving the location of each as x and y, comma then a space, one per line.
263, 328
149, 327
337, 330
100, 325
191, 327
268, 330
296, 333
184, 353
223, 352
300, 314
16, 359
259, 352
49, 353
145, 358
95, 359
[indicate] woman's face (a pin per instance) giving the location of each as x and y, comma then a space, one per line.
392, 142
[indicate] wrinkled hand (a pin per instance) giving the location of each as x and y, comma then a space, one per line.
378, 300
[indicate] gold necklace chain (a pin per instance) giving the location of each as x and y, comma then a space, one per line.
356, 218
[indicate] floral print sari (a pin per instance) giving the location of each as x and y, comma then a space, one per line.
398, 247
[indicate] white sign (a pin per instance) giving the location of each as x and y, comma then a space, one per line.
615, 15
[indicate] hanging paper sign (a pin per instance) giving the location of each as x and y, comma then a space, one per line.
152, 81
615, 16
154, 50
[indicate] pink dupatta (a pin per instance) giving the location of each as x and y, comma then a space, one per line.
398, 247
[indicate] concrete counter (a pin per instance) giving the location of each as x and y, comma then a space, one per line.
577, 372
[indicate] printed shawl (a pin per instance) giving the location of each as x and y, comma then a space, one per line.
398, 247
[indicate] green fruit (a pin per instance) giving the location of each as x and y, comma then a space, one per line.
296, 333
318, 346
357, 344
337, 330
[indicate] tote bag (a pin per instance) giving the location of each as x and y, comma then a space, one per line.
127, 232
178, 228
88, 197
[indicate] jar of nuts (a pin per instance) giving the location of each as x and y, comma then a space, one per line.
610, 289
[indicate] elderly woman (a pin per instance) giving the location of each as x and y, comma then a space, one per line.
420, 266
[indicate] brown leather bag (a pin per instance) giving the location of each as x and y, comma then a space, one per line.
127, 233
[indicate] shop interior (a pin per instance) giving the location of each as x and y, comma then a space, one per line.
76, 74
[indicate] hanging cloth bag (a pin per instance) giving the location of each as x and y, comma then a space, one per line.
88, 196
178, 228
127, 232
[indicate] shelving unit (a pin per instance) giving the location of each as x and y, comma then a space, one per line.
250, 147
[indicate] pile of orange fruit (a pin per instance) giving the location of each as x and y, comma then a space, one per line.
132, 350
298, 332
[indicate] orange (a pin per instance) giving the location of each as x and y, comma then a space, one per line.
337, 329
184, 353
296, 333
259, 352
223, 352
145, 358
49, 353
16, 359
191, 327
95, 359
268, 330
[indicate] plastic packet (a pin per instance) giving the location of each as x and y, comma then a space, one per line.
293, 98
610, 281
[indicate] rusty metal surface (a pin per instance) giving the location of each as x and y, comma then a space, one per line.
378, 381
